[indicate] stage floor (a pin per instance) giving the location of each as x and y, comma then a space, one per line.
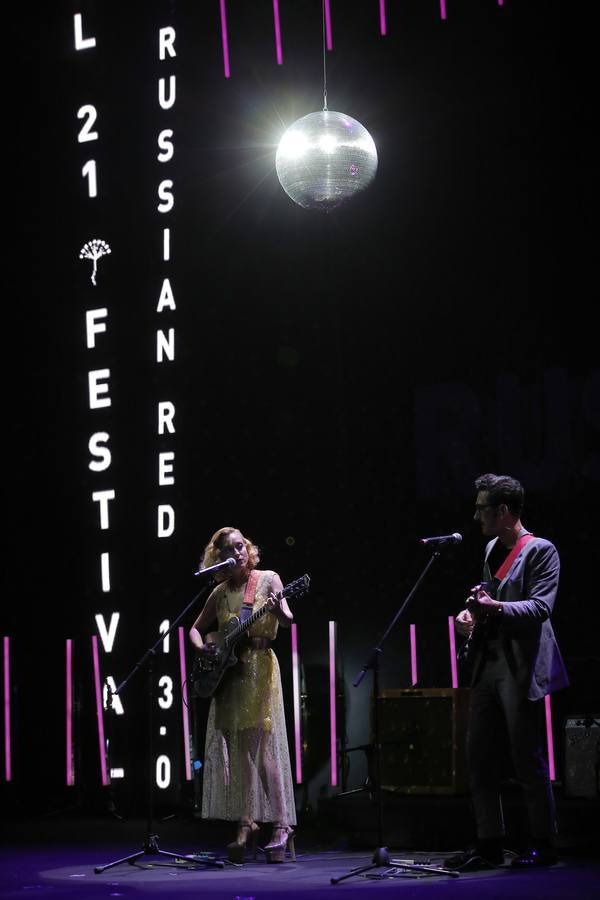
57, 858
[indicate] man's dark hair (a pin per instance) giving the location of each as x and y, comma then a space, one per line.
502, 489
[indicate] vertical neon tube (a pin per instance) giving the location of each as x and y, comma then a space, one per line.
382, 22
413, 655
99, 711
184, 706
296, 689
7, 745
224, 40
452, 640
328, 26
549, 738
70, 774
278, 48
443, 9
332, 702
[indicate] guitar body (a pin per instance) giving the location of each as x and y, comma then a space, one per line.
209, 667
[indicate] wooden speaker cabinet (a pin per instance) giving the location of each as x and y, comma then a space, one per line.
423, 738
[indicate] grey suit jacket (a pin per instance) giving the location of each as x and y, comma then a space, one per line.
528, 593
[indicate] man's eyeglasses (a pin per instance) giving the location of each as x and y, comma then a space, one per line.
480, 506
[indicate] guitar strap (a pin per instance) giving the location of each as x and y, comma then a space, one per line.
524, 539
248, 601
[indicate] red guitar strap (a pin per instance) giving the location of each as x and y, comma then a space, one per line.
248, 601
524, 539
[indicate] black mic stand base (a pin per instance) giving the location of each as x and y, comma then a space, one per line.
151, 848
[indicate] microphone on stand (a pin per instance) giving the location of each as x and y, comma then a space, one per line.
454, 538
222, 565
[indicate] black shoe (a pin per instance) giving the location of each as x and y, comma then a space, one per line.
535, 858
484, 855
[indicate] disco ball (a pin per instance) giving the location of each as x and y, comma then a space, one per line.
324, 159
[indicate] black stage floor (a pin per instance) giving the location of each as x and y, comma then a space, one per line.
55, 856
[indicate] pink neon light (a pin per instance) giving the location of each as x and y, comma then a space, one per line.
99, 711
70, 773
413, 655
278, 50
452, 651
224, 40
184, 706
332, 709
328, 26
443, 8
549, 738
7, 746
382, 22
296, 688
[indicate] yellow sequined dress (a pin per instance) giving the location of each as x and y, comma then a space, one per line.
247, 769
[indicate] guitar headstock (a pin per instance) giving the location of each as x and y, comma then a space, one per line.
297, 587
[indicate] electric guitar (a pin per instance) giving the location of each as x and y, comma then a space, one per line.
210, 666
466, 651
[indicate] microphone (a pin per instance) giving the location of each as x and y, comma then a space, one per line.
454, 538
222, 565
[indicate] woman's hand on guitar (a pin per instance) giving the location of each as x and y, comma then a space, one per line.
464, 623
209, 647
273, 602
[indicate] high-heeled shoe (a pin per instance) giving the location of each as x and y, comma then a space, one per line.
235, 850
281, 840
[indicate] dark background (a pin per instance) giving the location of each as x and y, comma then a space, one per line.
340, 379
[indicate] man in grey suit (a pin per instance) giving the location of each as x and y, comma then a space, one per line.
515, 662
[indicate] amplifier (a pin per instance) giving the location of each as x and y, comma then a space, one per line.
582, 756
423, 740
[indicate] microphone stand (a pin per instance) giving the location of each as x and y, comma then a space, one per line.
150, 846
381, 856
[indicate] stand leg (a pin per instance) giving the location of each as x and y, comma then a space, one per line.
151, 848
381, 857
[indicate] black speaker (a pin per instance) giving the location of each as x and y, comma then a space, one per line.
582, 756
423, 737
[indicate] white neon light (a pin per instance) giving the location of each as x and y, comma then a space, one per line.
93, 326
107, 635
166, 520
163, 628
165, 467
81, 43
166, 42
165, 345
102, 497
163, 101
97, 448
105, 572
166, 416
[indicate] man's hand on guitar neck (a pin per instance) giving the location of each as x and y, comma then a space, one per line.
481, 605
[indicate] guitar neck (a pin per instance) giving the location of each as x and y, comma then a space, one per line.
250, 621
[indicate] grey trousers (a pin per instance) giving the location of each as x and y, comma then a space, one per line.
500, 711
